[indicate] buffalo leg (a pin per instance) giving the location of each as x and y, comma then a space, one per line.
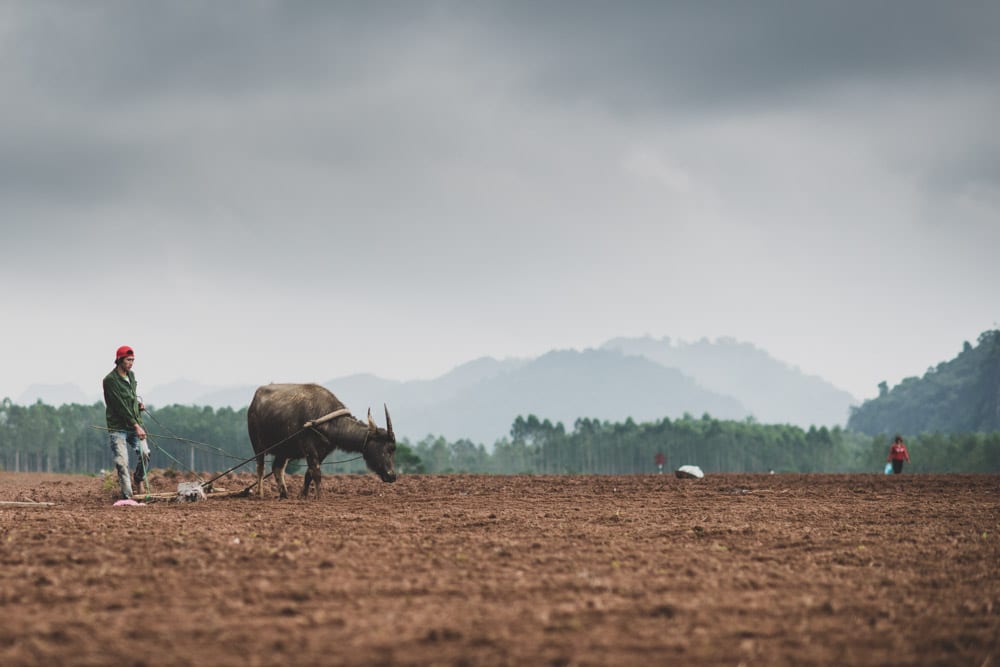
308, 481
260, 476
312, 470
278, 468
313, 477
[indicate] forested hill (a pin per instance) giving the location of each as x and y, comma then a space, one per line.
957, 396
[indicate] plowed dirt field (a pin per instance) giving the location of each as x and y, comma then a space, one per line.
522, 570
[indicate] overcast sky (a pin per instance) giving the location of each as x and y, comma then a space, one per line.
263, 191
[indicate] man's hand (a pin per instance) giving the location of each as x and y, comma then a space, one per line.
140, 431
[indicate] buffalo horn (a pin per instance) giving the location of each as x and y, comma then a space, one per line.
371, 422
388, 421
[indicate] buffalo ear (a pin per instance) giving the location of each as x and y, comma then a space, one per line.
371, 422
388, 422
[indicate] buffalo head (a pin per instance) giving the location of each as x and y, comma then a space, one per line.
380, 448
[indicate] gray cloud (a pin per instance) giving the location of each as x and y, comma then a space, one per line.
504, 178
649, 56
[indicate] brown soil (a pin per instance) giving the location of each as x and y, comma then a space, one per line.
479, 570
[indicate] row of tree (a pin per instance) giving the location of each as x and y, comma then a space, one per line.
71, 438
714, 445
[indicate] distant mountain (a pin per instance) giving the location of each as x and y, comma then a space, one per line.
357, 391
641, 378
957, 396
772, 391
360, 391
180, 392
229, 397
56, 394
479, 400
564, 386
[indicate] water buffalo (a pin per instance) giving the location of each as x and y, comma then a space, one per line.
280, 410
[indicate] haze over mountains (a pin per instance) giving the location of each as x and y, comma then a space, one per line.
642, 378
773, 392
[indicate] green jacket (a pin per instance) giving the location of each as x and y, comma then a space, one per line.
120, 396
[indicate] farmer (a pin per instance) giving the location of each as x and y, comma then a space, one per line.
898, 454
124, 417
660, 459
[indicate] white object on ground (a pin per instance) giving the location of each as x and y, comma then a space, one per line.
689, 472
190, 491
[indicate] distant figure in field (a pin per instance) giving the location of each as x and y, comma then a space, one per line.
898, 454
660, 461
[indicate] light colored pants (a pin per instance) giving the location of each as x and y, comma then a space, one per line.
120, 442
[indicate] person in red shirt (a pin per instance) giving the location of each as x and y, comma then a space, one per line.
898, 454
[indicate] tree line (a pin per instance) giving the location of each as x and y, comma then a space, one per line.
595, 447
70, 438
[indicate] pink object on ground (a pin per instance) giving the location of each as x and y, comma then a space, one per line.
126, 501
